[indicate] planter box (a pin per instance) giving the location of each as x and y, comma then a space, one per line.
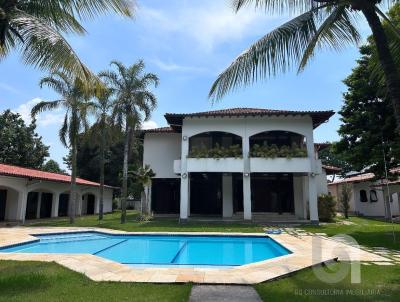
215, 165
284, 165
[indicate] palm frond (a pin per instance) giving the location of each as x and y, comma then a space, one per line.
55, 84
63, 132
93, 8
336, 32
273, 53
44, 106
277, 6
389, 22
45, 48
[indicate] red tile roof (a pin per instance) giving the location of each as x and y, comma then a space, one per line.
318, 117
356, 178
159, 130
15, 171
331, 169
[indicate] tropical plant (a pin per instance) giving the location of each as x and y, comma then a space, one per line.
326, 208
35, 29
75, 96
319, 24
273, 151
102, 109
216, 152
143, 176
344, 198
134, 104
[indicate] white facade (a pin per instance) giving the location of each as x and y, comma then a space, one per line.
16, 190
370, 207
167, 154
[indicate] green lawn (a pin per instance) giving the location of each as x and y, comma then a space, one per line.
112, 221
367, 232
38, 281
378, 283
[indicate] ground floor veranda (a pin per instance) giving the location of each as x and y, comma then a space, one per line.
22, 200
256, 196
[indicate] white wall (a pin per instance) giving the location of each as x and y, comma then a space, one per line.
160, 151
20, 187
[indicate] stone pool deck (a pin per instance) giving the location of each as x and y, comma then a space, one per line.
307, 251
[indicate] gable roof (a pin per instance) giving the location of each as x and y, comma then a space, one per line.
15, 171
318, 117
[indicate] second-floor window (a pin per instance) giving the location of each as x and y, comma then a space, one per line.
273, 144
215, 145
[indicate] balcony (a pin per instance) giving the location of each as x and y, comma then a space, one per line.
228, 164
280, 165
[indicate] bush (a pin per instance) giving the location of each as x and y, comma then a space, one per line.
115, 203
344, 199
326, 208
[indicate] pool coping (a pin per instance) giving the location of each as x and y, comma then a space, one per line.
306, 251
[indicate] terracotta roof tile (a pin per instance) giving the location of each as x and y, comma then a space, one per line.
318, 117
9, 170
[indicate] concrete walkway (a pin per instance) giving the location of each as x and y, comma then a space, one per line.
222, 293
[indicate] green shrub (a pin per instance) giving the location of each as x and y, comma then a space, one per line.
273, 151
115, 203
216, 152
326, 208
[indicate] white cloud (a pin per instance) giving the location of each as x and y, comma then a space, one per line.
43, 119
149, 125
9, 88
175, 67
209, 24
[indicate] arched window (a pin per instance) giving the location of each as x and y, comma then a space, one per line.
363, 196
373, 197
215, 144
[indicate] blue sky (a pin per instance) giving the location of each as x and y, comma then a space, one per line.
187, 43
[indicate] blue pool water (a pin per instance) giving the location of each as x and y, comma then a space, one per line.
157, 249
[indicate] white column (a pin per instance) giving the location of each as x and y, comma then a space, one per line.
54, 205
39, 204
227, 196
96, 204
246, 178
21, 208
185, 193
313, 199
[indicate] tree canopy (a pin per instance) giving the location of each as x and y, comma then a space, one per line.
52, 166
20, 145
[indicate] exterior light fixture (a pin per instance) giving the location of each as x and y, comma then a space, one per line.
184, 175
313, 174
185, 138
246, 174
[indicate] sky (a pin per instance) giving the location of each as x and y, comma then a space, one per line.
187, 43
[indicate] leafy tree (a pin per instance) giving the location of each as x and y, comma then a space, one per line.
369, 126
52, 166
74, 95
20, 145
344, 198
134, 103
319, 24
35, 29
330, 156
143, 176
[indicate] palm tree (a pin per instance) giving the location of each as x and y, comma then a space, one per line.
102, 109
134, 104
143, 176
34, 28
74, 95
320, 23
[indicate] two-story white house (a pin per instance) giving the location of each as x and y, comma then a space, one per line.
237, 163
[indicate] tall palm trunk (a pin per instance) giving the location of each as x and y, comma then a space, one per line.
386, 59
102, 147
73, 196
125, 174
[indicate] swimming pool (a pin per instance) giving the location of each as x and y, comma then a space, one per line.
158, 250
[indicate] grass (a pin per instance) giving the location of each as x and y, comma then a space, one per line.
38, 281
112, 221
378, 283
368, 232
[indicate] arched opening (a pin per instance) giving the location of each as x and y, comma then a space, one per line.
39, 204
215, 144
63, 205
278, 144
8, 204
88, 204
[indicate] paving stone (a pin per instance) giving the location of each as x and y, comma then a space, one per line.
223, 293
